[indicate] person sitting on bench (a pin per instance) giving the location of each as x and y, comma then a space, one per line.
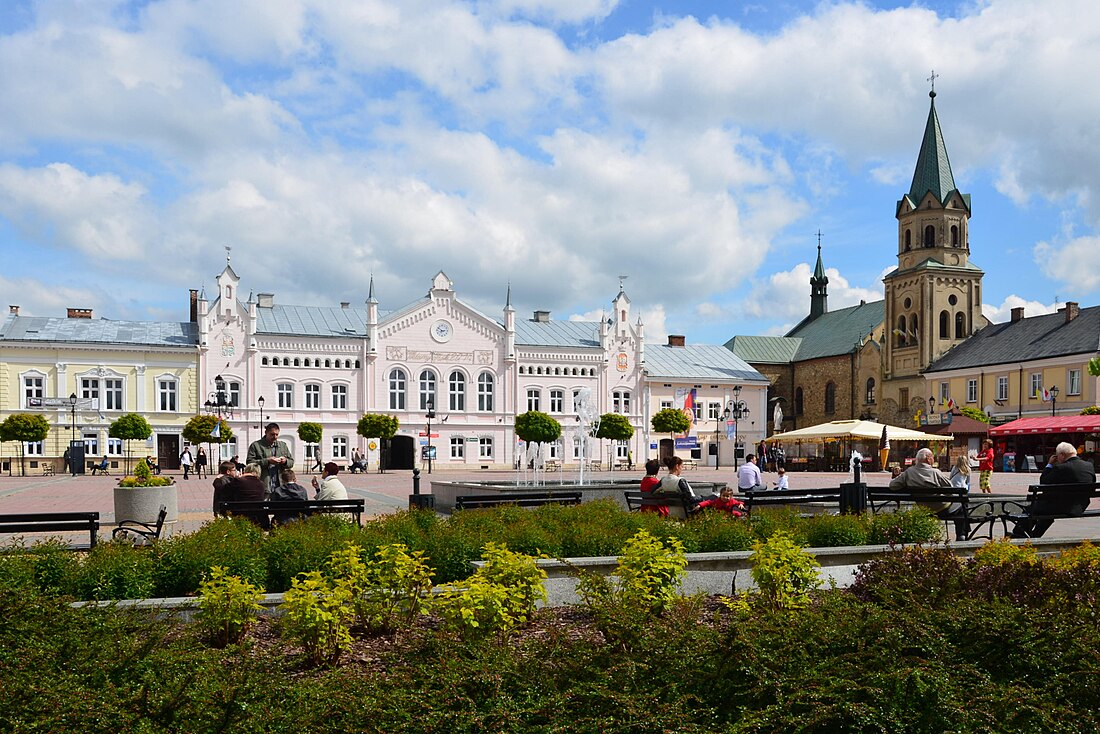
649, 483
749, 476
922, 476
673, 485
289, 491
1065, 467
100, 467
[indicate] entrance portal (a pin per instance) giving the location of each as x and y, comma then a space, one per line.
401, 453
168, 451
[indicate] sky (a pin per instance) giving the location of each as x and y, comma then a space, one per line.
697, 148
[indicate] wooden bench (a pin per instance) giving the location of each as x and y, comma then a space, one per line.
47, 470
140, 533
624, 464
1048, 502
691, 464
353, 507
635, 501
523, 499
775, 497
39, 522
971, 514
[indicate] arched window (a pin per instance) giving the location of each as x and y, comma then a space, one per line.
869, 396
798, 401
902, 340
485, 392
286, 361
398, 383
297, 362
913, 324
930, 236
954, 235
908, 240
264, 361
456, 385
427, 390
830, 397
960, 325
945, 325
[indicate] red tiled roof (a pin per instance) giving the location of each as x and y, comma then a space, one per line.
1056, 424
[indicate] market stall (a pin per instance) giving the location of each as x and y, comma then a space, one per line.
837, 439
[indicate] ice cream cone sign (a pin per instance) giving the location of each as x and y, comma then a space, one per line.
883, 449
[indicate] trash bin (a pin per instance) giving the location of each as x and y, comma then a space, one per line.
853, 498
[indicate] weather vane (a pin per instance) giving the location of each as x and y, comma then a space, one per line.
621, 279
228, 253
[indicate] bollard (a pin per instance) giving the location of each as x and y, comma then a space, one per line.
419, 501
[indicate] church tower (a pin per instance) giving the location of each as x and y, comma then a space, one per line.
933, 298
819, 288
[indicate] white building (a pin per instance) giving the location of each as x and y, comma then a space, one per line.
330, 365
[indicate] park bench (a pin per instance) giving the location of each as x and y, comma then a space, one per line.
353, 507
754, 498
140, 533
523, 499
39, 522
1074, 497
624, 464
978, 514
635, 501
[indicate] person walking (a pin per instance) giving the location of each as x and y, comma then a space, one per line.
200, 464
186, 461
985, 467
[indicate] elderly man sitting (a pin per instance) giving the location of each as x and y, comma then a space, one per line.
1065, 467
923, 476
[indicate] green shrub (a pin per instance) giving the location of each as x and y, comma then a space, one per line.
55, 567
911, 576
1001, 551
316, 614
712, 532
227, 607
917, 525
115, 570
767, 521
1085, 555
499, 596
183, 561
387, 593
832, 531
784, 573
302, 546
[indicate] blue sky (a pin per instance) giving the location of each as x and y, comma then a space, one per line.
554, 145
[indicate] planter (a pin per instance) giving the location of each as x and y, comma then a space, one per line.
143, 503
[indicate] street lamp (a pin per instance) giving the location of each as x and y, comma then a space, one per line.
738, 410
431, 414
1053, 399
260, 402
219, 403
72, 440
718, 419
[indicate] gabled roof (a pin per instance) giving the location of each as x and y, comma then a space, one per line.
100, 331
837, 332
764, 349
311, 321
1037, 337
933, 171
584, 334
698, 362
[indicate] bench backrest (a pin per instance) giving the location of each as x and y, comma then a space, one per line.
34, 522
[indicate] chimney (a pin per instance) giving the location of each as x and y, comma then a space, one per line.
265, 300
79, 313
194, 306
13, 310
345, 304
1072, 311
542, 317
676, 340
1017, 313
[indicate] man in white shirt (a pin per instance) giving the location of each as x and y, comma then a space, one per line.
748, 476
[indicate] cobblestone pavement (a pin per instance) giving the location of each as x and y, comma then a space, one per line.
389, 492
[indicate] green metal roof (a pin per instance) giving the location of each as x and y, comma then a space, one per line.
837, 332
764, 349
933, 172
819, 269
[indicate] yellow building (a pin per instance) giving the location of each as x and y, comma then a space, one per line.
113, 368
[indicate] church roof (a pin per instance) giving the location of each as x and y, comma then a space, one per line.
100, 331
933, 171
837, 332
698, 362
819, 268
1037, 337
764, 349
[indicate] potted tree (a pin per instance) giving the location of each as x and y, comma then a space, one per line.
382, 427
24, 428
139, 496
310, 434
670, 421
536, 427
130, 427
616, 427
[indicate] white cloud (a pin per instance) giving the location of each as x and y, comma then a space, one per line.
1072, 261
36, 298
1002, 313
786, 295
552, 11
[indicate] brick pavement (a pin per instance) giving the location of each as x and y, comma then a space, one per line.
386, 493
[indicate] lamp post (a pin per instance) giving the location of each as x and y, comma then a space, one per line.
219, 402
738, 410
72, 440
1053, 399
431, 414
718, 419
260, 402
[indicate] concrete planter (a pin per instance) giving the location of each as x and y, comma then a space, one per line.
143, 503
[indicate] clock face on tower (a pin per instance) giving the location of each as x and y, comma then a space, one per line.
442, 331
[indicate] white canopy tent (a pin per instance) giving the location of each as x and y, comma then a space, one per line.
854, 430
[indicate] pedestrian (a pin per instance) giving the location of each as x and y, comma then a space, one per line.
271, 455
186, 461
66, 457
200, 463
985, 467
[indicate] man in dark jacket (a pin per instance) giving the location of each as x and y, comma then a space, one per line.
1065, 467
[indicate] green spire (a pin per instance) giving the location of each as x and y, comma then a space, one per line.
819, 269
933, 167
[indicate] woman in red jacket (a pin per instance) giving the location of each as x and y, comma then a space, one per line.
649, 482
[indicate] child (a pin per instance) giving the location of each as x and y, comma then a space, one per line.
288, 491
724, 502
782, 483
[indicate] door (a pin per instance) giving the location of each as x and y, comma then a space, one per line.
401, 453
168, 451
667, 449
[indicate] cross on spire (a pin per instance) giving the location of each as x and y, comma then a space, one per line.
932, 79
819, 235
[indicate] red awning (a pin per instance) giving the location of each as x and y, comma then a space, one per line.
1057, 424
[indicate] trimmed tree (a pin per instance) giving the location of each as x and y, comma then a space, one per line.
382, 427
310, 433
130, 427
615, 427
670, 421
200, 429
24, 428
536, 427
